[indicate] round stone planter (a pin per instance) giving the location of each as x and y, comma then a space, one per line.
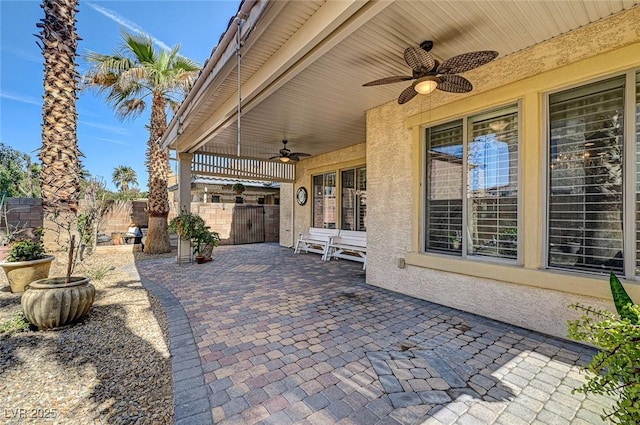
51, 303
21, 273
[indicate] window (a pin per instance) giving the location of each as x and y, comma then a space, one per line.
478, 218
354, 199
585, 224
324, 200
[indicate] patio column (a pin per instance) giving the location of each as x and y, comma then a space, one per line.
184, 200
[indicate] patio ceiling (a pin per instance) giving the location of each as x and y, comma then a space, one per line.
304, 63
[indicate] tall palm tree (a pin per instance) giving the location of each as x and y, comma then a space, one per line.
134, 72
59, 155
123, 176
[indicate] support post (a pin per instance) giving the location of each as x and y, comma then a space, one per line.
184, 201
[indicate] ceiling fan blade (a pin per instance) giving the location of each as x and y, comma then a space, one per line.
388, 80
406, 95
466, 61
300, 154
274, 157
293, 158
454, 84
419, 60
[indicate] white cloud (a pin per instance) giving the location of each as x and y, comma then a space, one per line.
131, 26
112, 141
110, 128
21, 98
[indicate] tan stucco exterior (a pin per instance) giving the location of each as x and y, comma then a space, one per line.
523, 294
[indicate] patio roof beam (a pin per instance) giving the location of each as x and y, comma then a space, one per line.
331, 24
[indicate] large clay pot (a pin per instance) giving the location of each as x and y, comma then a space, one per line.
51, 303
21, 273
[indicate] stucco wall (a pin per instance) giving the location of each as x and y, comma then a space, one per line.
394, 190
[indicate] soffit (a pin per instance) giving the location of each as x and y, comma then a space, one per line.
322, 108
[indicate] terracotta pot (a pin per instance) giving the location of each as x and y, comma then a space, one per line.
21, 273
200, 259
51, 303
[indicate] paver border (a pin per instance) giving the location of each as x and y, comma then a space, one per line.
190, 393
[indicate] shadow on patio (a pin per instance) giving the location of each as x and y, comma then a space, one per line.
285, 338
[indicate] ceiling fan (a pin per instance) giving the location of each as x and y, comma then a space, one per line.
431, 74
286, 155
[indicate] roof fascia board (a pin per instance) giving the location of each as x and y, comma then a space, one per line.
331, 24
212, 66
226, 63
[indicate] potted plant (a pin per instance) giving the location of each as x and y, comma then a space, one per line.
186, 225
26, 262
456, 240
56, 302
204, 242
238, 188
191, 227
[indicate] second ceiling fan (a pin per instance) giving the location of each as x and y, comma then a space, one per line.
285, 154
431, 74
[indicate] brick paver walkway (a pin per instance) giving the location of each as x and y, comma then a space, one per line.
261, 335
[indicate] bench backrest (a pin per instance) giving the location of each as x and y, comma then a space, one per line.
319, 231
353, 237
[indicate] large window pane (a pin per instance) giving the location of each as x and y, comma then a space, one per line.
324, 201
492, 185
585, 177
444, 188
354, 199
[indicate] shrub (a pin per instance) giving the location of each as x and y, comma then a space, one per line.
615, 369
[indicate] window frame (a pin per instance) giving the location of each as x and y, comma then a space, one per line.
355, 166
629, 165
516, 106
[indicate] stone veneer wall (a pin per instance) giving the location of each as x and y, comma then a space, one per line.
121, 214
21, 212
220, 216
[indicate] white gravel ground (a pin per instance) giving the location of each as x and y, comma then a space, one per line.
112, 367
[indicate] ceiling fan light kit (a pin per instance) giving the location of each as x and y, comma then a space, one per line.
285, 154
431, 74
425, 85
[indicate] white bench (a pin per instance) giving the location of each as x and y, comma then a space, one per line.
350, 245
316, 240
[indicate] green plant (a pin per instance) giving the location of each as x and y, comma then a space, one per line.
203, 238
100, 272
238, 187
186, 225
615, 369
27, 249
15, 324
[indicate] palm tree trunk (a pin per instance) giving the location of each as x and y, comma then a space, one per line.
59, 154
157, 241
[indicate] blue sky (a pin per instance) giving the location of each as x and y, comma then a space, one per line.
105, 141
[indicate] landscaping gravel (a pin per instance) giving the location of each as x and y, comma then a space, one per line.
112, 367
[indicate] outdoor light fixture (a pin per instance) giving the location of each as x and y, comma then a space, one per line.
284, 159
425, 85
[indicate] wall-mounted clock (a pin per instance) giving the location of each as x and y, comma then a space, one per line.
301, 196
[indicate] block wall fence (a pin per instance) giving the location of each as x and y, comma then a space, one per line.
219, 216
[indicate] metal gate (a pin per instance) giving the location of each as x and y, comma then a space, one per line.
248, 224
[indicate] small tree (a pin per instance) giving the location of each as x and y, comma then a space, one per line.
615, 369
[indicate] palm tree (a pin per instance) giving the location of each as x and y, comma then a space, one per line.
59, 155
123, 176
134, 72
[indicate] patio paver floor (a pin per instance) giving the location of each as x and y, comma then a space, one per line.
261, 335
